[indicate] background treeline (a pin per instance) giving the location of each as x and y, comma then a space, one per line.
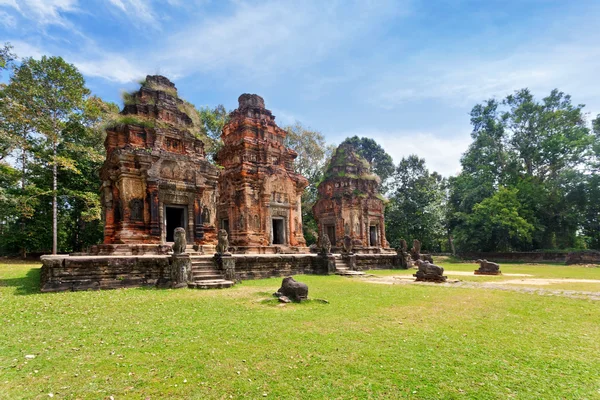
530, 178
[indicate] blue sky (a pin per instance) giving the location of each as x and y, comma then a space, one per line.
405, 73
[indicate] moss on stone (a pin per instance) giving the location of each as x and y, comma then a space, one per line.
136, 120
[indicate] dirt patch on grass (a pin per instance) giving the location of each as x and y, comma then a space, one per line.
502, 285
542, 282
467, 273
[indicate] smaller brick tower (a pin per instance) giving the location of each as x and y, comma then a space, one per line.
259, 192
349, 203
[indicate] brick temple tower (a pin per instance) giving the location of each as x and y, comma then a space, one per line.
349, 202
155, 177
259, 192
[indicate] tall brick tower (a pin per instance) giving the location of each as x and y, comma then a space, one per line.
259, 192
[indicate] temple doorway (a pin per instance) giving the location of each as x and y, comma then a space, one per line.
175, 217
330, 231
278, 231
225, 225
373, 235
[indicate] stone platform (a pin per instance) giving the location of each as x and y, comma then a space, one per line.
97, 272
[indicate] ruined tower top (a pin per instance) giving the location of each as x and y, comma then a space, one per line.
252, 121
160, 81
250, 101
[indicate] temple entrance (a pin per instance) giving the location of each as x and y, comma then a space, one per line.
373, 235
175, 217
278, 231
225, 225
330, 231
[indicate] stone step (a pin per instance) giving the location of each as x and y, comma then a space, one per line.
196, 264
207, 277
211, 284
205, 272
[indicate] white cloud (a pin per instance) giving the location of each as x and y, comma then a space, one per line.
43, 12
110, 66
263, 39
442, 154
24, 49
462, 81
7, 20
136, 9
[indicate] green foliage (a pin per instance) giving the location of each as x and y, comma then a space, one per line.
57, 131
498, 222
198, 129
6, 56
416, 205
212, 121
544, 150
119, 121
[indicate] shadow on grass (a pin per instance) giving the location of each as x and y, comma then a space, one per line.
29, 284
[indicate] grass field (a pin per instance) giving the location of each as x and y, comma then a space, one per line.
370, 341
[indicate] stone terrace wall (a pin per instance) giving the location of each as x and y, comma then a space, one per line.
376, 261
583, 257
67, 273
74, 273
267, 266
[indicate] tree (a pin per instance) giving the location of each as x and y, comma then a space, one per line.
416, 209
213, 120
380, 161
6, 56
53, 91
497, 222
539, 148
313, 154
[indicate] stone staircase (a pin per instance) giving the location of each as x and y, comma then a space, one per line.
205, 274
341, 268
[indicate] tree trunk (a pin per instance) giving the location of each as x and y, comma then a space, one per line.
54, 201
451, 243
23, 168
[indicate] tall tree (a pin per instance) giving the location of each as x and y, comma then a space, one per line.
416, 209
496, 224
54, 91
538, 148
213, 120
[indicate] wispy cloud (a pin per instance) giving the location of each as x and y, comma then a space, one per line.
137, 10
43, 12
7, 20
461, 81
269, 37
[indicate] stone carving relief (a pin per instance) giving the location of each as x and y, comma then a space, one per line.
136, 210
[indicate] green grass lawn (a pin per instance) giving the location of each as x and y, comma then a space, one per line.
370, 341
